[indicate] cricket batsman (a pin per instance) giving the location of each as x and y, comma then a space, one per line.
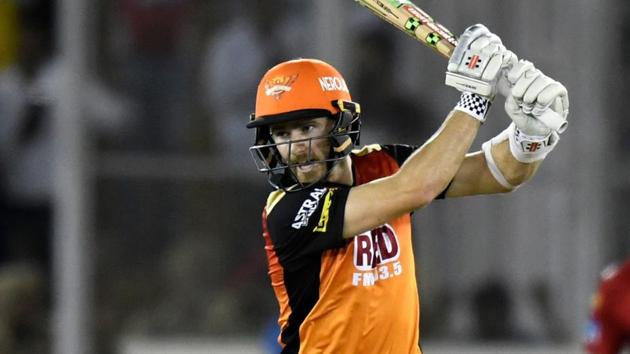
337, 227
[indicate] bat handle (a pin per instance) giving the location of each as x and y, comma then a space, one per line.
553, 121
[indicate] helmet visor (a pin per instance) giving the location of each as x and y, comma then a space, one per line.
297, 173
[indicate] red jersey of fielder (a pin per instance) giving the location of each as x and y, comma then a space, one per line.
340, 296
609, 327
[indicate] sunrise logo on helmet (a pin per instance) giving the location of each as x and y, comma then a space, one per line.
279, 85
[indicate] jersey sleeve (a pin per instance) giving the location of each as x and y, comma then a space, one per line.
304, 224
401, 153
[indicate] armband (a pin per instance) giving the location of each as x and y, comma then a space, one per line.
492, 166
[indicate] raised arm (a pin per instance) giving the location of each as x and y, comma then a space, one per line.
424, 175
427, 172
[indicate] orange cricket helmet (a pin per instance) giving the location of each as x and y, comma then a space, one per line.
298, 86
302, 89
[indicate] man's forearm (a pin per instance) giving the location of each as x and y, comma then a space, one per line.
514, 171
429, 170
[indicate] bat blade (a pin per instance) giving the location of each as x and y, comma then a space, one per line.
411, 19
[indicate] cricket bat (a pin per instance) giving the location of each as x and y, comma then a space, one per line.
409, 18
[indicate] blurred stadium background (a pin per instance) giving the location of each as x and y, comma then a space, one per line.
130, 205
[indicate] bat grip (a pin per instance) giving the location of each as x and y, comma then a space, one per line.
553, 121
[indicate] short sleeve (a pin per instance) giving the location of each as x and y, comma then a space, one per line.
303, 224
400, 152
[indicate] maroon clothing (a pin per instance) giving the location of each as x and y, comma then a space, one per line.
609, 328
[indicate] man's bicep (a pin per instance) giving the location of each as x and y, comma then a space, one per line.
372, 204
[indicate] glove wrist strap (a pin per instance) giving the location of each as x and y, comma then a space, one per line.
468, 84
530, 148
474, 105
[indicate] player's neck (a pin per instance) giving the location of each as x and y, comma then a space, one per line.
342, 172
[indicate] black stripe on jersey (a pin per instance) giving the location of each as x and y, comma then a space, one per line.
303, 291
302, 226
402, 152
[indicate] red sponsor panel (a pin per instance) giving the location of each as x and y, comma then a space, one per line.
375, 247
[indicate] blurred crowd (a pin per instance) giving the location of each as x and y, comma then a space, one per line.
25, 193
178, 77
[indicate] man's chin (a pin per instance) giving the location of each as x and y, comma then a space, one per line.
310, 173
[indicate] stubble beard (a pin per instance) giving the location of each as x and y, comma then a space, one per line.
310, 173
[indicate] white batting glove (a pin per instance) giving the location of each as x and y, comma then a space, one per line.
538, 107
537, 103
478, 62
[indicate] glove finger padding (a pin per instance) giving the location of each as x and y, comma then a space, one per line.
518, 69
522, 84
504, 86
555, 96
538, 107
509, 60
561, 105
470, 34
539, 97
477, 62
486, 44
538, 86
524, 121
483, 51
493, 68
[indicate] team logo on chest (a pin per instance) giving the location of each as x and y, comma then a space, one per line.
376, 256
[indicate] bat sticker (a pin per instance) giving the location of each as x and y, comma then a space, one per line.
433, 39
412, 24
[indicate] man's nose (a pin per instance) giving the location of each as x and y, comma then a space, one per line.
300, 147
299, 137
301, 143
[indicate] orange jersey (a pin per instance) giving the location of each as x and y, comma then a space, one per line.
609, 328
340, 296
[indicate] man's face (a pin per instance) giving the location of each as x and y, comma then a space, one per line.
301, 150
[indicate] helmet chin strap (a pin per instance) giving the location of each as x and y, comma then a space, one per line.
331, 164
338, 147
